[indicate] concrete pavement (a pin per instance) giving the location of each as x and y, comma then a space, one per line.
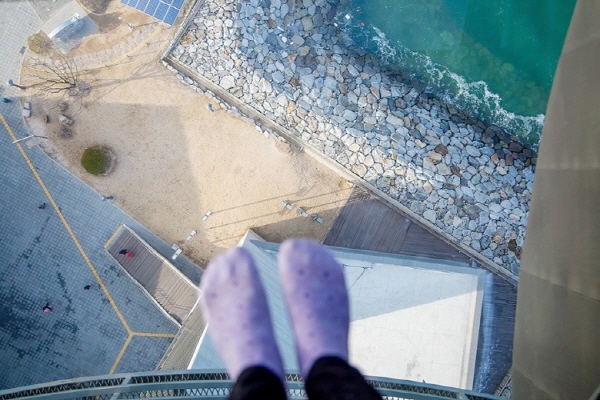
48, 255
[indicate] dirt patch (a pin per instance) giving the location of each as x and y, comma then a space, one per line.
113, 28
95, 6
178, 160
107, 22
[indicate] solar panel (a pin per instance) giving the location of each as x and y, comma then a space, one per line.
142, 5
171, 15
163, 10
151, 7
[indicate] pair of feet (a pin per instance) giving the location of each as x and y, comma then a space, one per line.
238, 317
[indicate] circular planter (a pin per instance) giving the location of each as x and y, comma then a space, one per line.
98, 160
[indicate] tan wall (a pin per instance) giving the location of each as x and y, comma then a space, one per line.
557, 335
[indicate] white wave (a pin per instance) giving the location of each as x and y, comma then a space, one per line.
473, 97
386, 51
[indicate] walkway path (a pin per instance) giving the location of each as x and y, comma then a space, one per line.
120, 51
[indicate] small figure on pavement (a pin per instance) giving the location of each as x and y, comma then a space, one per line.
128, 255
6, 100
209, 107
123, 251
87, 287
47, 308
42, 206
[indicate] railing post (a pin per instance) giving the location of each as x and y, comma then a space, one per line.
125, 382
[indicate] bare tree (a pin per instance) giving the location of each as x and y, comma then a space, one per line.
55, 75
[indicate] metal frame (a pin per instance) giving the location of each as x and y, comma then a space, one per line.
208, 385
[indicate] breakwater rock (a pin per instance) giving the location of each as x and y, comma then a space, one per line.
288, 60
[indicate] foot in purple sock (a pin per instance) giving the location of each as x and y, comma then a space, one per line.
315, 293
239, 323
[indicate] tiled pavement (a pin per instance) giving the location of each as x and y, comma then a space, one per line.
49, 255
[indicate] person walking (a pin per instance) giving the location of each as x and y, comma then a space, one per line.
126, 253
47, 308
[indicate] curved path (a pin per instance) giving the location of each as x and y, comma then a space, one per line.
48, 255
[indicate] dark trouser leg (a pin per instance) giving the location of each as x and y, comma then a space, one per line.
332, 378
257, 383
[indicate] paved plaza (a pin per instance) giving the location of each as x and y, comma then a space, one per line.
48, 255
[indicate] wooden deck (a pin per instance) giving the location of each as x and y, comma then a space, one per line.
175, 293
367, 223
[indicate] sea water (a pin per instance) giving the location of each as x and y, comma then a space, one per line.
494, 59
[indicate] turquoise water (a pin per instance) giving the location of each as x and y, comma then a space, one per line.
492, 58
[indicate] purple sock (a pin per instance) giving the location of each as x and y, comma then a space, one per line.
235, 305
315, 293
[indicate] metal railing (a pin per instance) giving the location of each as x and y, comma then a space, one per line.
209, 385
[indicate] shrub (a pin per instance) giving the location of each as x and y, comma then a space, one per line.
39, 43
96, 160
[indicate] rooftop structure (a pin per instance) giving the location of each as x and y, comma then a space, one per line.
368, 223
411, 318
64, 31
